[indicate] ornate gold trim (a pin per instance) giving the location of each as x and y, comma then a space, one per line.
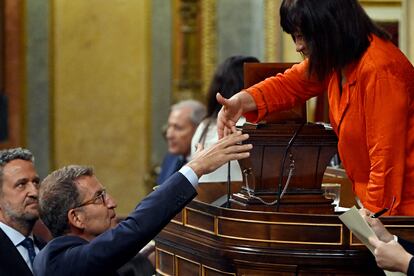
282, 241
157, 265
177, 222
208, 42
387, 226
183, 216
281, 222
272, 33
214, 269
200, 212
188, 260
175, 257
381, 3
159, 272
286, 223
350, 240
198, 228
399, 226
218, 218
186, 49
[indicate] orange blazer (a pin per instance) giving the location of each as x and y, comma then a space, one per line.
373, 118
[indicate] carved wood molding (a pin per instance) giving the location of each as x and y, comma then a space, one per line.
272, 31
209, 42
187, 44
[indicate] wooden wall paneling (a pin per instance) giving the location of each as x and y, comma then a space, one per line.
12, 69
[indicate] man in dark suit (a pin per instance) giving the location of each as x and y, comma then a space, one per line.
19, 211
172, 163
81, 215
183, 120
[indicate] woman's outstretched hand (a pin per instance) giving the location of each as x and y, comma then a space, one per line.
229, 114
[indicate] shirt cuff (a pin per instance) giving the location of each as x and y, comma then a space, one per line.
190, 175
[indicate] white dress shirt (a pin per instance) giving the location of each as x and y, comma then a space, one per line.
190, 175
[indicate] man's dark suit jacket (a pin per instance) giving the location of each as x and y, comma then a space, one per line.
172, 163
11, 261
72, 255
409, 247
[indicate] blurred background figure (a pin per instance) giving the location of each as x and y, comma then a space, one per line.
183, 120
228, 80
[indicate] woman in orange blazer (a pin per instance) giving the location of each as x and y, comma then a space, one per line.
370, 86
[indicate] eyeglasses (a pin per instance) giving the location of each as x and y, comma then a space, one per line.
99, 198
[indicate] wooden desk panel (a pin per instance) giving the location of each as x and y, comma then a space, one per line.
211, 240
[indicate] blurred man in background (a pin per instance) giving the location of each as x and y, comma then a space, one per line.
183, 120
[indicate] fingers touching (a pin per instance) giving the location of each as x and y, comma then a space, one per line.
228, 115
226, 149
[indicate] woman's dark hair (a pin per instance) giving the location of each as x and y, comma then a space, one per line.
228, 80
336, 32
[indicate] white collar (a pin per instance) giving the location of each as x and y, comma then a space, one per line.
15, 236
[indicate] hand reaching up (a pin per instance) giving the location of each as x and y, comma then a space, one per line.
228, 115
226, 149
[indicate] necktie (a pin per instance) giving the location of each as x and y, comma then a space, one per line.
28, 244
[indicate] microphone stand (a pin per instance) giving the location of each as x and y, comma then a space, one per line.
228, 185
282, 166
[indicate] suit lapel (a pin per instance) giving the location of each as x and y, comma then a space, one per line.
11, 262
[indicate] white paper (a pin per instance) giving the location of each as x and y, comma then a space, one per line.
360, 228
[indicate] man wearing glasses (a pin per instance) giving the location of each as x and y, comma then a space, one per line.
82, 219
19, 211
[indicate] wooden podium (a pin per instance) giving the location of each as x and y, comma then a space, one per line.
284, 145
208, 240
305, 237
272, 159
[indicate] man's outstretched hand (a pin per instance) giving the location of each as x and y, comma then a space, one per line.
226, 149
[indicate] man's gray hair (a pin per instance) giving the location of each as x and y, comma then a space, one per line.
9, 155
58, 194
198, 110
